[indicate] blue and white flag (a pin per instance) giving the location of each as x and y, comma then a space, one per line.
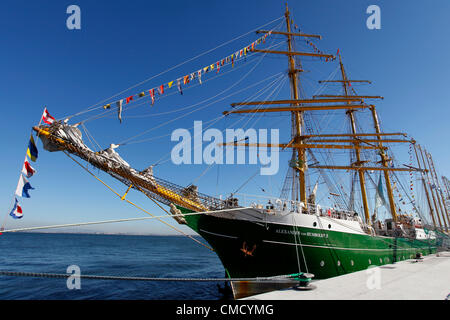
179, 86
22, 187
16, 212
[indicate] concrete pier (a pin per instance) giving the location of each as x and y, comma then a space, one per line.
427, 279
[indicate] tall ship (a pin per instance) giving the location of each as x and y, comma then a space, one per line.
367, 214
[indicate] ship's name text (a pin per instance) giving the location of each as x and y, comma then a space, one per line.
305, 234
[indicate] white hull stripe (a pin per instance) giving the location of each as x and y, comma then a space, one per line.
313, 246
218, 234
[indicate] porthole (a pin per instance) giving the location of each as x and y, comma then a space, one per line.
315, 224
322, 263
329, 226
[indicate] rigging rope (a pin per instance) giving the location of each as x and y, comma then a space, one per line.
184, 115
330, 180
169, 225
167, 157
79, 224
134, 103
280, 85
221, 99
294, 226
93, 107
191, 87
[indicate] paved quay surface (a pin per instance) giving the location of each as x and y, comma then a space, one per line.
428, 279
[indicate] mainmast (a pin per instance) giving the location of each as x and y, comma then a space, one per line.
384, 159
362, 179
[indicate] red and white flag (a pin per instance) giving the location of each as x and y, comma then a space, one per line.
47, 118
152, 95
199, 76
27, 169
16, 212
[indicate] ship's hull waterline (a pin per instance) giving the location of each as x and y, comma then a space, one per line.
248, 248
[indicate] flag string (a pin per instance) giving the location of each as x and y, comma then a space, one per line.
23, 185
95, 106
180, 82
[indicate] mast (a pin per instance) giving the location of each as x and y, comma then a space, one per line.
437, 186
298, 105
362, 179
384, 162
447, 186
296, 115
431, 189
425, 188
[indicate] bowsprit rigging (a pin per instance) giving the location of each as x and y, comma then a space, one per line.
329, 235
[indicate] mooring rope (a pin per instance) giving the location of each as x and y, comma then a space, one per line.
285, 279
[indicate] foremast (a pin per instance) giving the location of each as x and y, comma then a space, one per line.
297, 143
297, 116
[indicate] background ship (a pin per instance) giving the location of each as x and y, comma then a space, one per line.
296, 232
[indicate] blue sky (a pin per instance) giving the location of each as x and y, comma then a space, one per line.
122, 43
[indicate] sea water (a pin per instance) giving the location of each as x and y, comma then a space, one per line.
109, 255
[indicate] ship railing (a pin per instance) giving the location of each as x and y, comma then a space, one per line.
274, 205
335, 213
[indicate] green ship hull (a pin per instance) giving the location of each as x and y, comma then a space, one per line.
249, 249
